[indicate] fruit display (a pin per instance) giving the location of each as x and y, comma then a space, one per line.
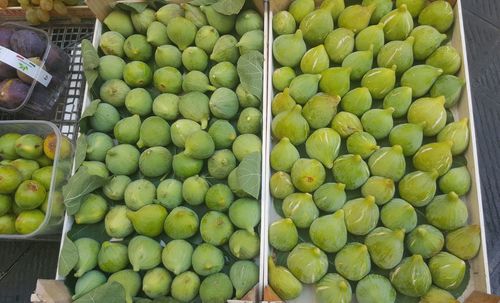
170, 151
40, 11
18, 91
368, 168
33, 169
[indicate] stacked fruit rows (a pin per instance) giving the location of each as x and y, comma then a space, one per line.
367, 157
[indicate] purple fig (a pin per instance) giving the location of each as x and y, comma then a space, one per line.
5, 34
6, 71
28, 43
12, 93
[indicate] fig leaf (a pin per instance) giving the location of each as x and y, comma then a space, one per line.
68, 258
250, 70
249, 174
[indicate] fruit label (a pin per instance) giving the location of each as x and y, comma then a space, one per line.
25, 65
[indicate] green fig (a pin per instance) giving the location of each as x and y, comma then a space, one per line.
216, 288
350, 170
185, 166
388, 162
399, 53
199, 145
450, 87
434, 156
130, 280
139, 193
420, 79
335, 81
169, 12
333, 287
457, 180
284, 23
283, 155
315, 60
88, 282
446, 58
245, 213
418, 187
360, 63
119, 21
224, 74
308, 174
194, 58
385, 246
330, 197
245, 145
283, 234
30, 194
371, 38
126, 131
138, 102
447, 212
225, 49
98, 145
29, 146
155, 162
181, 32
244, 244
112, 257
224, 103
378, 122
92, 210
307, 262
464, 242
353, 261
300, 8
304, 86
411, 277
177, 256
458, 133
320, 110
117, 223
148, 220
7, 224
282, 77
114, 91
447, 270
219, 197
144, 253
301, 209
105, 118
224, 24
207, 259
157, 34
397, 24
282, 102
215, 228
248, 20
28, 221
400, 99
382, 8
283, 282
334, 6
221, 164
413, 6
185, 286
168, 55
142, 20
8, 146
206, 38
289, 49
399, 214
87, 255
291, 124
361, 215
27, 168
408, 136
5, 204
361, 143
375, 288
427, 40
438, 14
194, 106
281, 185
111, 44
322, 227
430, 113
181, 130
323, 145
100, 169
194, 190
316, 26
251, 41
156, 282
380, 81
356, 17
382, 189
244, 276
137, 48
194, 14
168, 80
223, 134
425, 240
169, 193
437, 295
339, 43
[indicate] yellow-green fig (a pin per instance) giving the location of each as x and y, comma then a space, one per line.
282, 102
156, 282
447, 270
360, 63
333, 288
304, 86
307, 262
130, 280
207, 259
458, 133
464, 242
316, 26
450, 87
245, 213
438, 14
300, 8
323, 227
447, 212
206, 37
225, 49
219, 197
361, 143
194, 14
224, 74
112, 257
409, 136
181, 32
283, 282
244, 244
301, 209
222, 132
87, 255
379, 81
148, 220
434, 156
388, 162
457, 179
399, 53
283, 155
120, 21
425, 240
88, 282
176, 256
216, 288
346, 124
382, 8
284, 23
283, 235
144, 253
251, 41
288, 49
375, 288
185, 286
361, 215
244, 276
335, 81
168, 12
315, 60
411, 277
92, 210
350, 170
399, 214
307, 174
438, 295
320, 110
281, 185
221, 164
372, 38
215, 228
353, 261
357, 101
356, 17
194, 106
339, 43
334, 6
400, 99
427, 40
430, 113
245, 145
398, 24
224, 24
282, 77
181, 223
446, 58
418, 187
330, 197
382, 189
378, 122
420, 79
385, 246
292, 125
323, 145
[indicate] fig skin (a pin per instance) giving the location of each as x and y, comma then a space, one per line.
28, 43
12, 93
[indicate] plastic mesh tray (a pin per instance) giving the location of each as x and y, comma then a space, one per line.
68, 37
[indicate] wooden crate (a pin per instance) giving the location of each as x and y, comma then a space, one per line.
16, 13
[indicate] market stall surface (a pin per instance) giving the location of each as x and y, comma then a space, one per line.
22, 263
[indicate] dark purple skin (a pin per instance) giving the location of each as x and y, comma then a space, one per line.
12, 93
57, 60
28, 43
6, 71
5, 35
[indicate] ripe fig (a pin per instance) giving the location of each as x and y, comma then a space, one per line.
28, 221
301, 209
427, 40
111, 43
117, 223
450, 87
148, 220
304, 86
216, 288
350, 170
120, 21
322, 228
447, 212
222, 133
360, 63
339, 43
185, 166
372, 38
388, 162
330, 197
439, 15
245, 145
323, 145
244, 275
353, 261
283, 235
245, 213
206, 37
375, 288
199, 145
399, 214
156, 34
357, 101
284, 23
169, 193
335, 81
361, 215
382, 8
380, 81
418, 187
194, 190
425, 240
289, 49
207, 259
457, 180
168, 55
446, 58
307, 262
397, 24
156, 282
399, 53
219, 197
282, 102
28, 43
169, 12
181, 32
361, 143
224, 74
356, 17
122, 159
299, 9
320, 110
316, 25
411, 277
112, 257
10, 179
7, 224
92, 210
292, 125
215, 228
27, 168
144, 253
464, 242
436, 294
333, 287
194, 58
185, 286
244, 244
137, 48
315, 60
385, 246
168, 80
378, 122
420, 79
177, 256
221, 164
139, 193
281, 185
8, 146
283, 282
434, 156
458, 133
307, 174
382, 189
225, 49
447, 270
409, 136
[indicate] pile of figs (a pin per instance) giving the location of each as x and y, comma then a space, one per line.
27, 195
170, 130
368, 166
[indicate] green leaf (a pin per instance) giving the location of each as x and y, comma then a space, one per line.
79, 185
89, 112
132, 7
95, 231
229, 7
81, 150
250, 69
203, 2
111, 292
90, 62
68, 258
248, 174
